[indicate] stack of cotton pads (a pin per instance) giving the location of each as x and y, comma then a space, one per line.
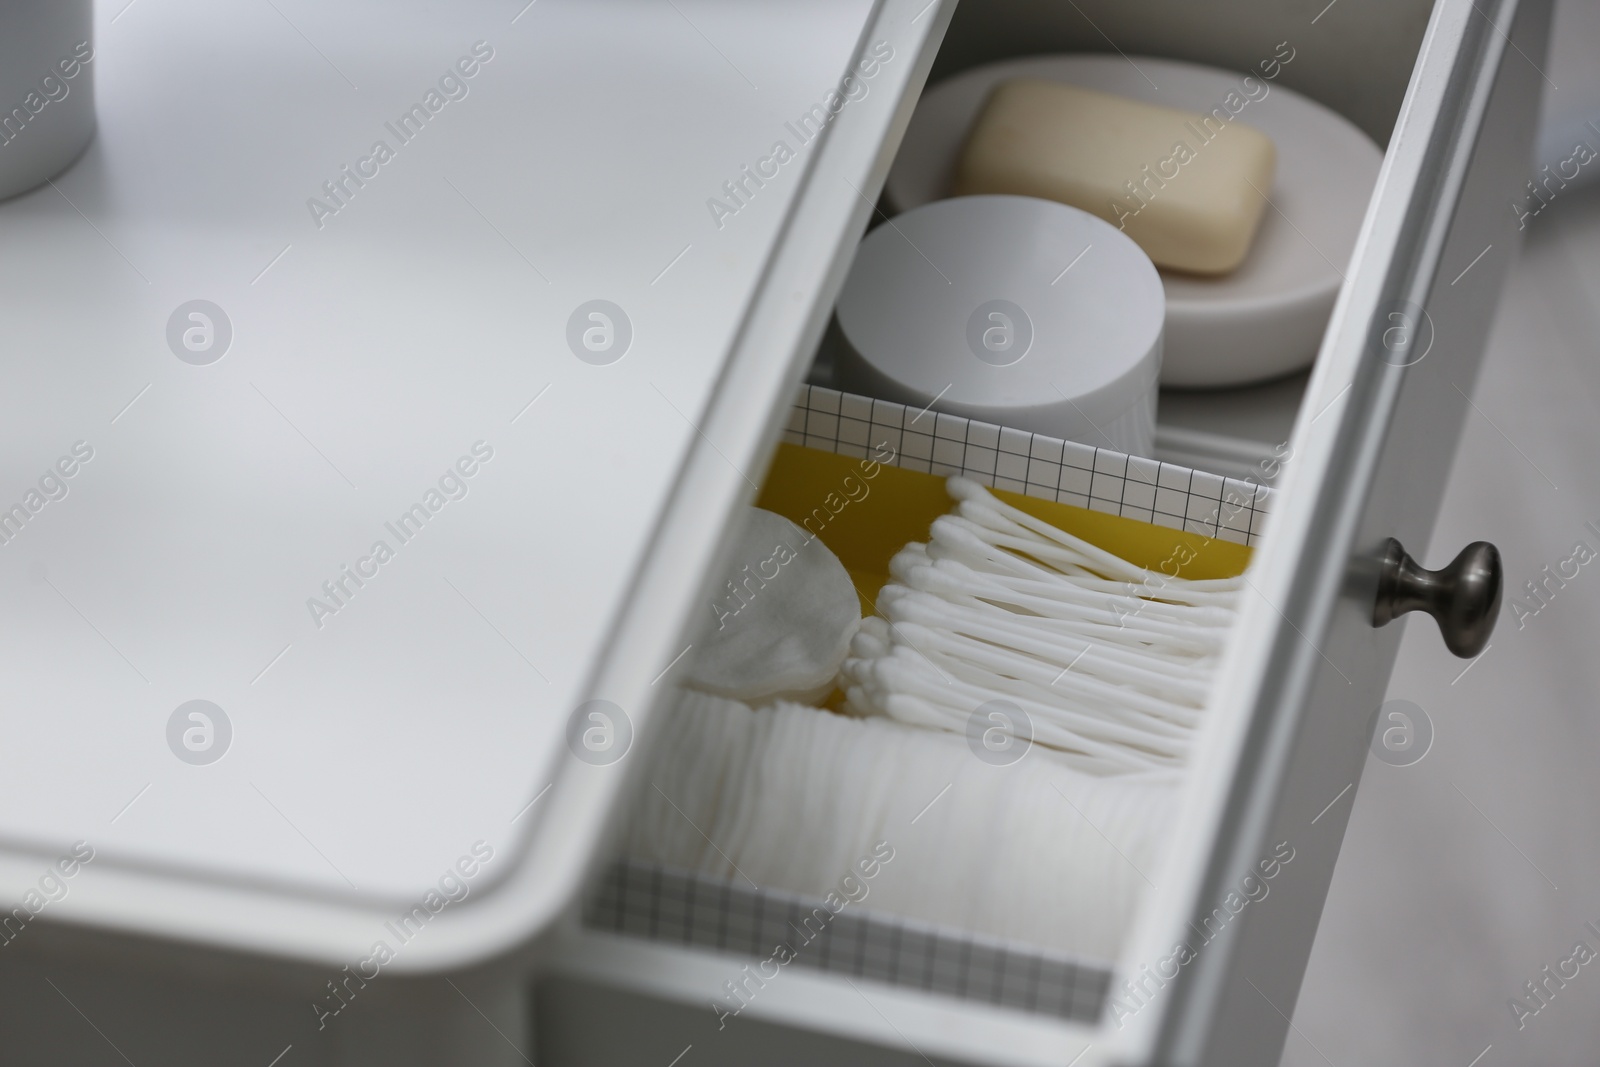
1109, 663
790, 797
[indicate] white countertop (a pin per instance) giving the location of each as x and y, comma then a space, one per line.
369, 354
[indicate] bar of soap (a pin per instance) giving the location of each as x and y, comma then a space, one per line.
1190, 188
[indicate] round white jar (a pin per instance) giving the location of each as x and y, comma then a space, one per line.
1010, 310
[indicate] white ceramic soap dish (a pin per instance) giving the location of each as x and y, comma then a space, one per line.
1264, 319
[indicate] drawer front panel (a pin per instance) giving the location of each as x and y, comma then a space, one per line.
1433, 263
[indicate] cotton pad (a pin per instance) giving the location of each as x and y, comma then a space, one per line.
781, 617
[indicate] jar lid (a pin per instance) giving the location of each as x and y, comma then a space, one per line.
1010, 309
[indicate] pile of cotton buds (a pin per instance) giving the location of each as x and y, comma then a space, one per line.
1108, 662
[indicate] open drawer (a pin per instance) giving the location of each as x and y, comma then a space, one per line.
380, 755
1291, 715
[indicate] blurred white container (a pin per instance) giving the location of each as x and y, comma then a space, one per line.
46, 89
1009, 310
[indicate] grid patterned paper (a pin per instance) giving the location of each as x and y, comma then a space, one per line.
661, 904
1096, 478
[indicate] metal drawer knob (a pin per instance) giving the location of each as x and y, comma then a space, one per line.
1463, 597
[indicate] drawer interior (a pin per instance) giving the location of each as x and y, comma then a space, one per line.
1358, 63
1147, 511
